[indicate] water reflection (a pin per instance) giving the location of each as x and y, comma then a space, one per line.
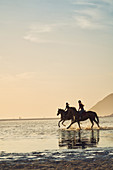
78, 139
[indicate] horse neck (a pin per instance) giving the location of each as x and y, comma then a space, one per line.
62, 113
74, 111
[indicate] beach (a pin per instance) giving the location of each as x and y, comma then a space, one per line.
86, 164
88, 159
41, 144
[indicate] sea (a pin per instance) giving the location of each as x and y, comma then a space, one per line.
43, 139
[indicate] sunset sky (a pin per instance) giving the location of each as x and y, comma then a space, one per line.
53, 52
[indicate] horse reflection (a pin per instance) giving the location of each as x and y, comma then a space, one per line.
78, 139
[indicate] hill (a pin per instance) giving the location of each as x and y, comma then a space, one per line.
105, 106
109, 115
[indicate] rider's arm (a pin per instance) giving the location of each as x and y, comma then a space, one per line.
79, 108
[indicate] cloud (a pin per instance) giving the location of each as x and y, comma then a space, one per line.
38, 33
84, 3
43, 33
84, 22
88, 19
93, 15
41, 28
36, 39
20, 76
110, 2
26, 75
85, 14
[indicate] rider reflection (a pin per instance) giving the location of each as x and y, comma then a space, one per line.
78, 139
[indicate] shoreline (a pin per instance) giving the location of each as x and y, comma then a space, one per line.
49, 118
21, 119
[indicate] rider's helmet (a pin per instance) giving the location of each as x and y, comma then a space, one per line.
79, 101
67, 104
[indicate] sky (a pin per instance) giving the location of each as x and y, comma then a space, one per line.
53, 52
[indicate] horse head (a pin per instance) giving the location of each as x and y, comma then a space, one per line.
59, 111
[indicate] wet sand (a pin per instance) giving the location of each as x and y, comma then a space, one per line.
86, 164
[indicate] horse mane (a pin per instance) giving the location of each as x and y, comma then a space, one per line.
73, 108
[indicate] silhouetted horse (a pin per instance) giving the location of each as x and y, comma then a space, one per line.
73, 115
92, 116
65, 116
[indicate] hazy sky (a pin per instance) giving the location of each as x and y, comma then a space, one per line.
52, 52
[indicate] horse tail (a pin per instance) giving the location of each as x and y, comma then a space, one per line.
97, 117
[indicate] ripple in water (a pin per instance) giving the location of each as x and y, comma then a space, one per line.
23, 138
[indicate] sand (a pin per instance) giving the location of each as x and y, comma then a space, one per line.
84, 164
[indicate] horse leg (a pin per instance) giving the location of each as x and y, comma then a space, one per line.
63, 123
97, 123
79, 124
70, 124
92, 123
59, 122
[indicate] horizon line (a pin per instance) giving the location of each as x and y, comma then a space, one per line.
16, 119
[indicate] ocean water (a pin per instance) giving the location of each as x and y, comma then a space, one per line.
43, 139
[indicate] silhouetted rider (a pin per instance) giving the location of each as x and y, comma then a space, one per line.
81, 108
67, 108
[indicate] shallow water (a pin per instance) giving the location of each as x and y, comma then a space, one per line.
39, 139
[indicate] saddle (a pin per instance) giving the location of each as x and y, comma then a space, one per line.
81, 115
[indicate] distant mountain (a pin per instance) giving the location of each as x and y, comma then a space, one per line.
109, 115
105, 106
